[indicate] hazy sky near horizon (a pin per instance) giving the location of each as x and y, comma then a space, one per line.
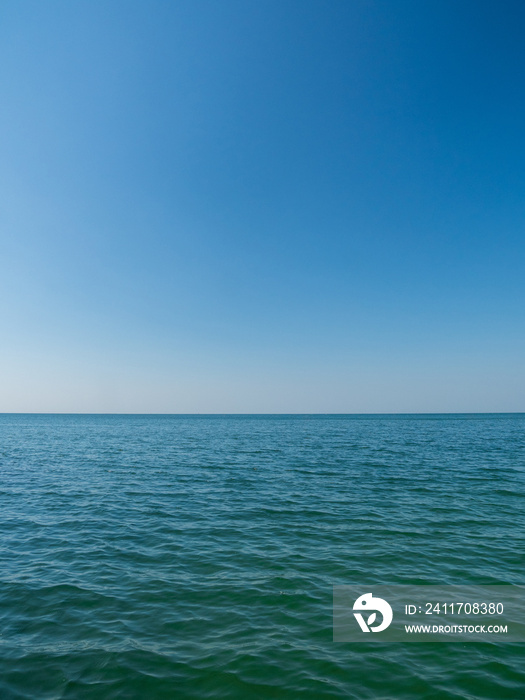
262, 206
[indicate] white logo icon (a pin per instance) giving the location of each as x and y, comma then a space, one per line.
368, 602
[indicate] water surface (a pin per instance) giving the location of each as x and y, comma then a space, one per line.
194, 556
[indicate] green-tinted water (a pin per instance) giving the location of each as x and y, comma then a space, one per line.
194, 557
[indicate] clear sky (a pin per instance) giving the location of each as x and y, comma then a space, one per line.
238, 206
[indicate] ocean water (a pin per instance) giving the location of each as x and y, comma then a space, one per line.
194, 556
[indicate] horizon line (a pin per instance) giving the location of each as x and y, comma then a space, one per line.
386, 413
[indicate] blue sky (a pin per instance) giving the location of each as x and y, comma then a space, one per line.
246, 206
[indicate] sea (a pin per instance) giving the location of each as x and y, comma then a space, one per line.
177, 557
